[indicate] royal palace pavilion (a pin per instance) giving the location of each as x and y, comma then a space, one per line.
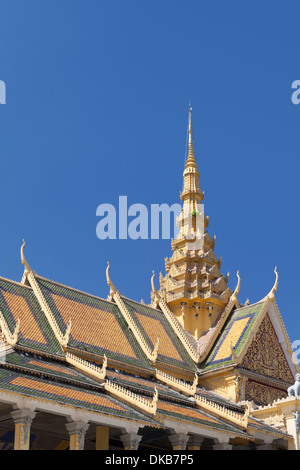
194, 370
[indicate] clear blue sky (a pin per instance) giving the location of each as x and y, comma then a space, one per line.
97, 107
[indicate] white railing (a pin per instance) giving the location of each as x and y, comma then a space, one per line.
177, 384
85, 366
149, 406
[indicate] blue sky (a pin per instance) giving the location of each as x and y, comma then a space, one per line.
97, 107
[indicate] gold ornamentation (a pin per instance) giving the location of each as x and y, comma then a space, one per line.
265, 355
262, 394
271, 294
27, 268
237, 289
155, 295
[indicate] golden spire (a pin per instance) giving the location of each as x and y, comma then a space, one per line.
190, 161
193, 287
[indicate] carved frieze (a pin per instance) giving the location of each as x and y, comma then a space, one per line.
265, 355
262, 394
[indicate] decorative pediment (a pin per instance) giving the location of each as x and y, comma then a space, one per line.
265, 355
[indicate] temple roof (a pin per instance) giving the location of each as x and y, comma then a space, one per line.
122, 358
98, 326
118, 357
61, 383
154, 324
234, 334
254, 331
63, 393
18, 301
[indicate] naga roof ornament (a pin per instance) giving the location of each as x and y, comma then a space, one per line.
27, 269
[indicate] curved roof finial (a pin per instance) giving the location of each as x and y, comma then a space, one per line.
237, 289
113, 289
271, 294
152, 283
23, 259
155, 350
155, 399
156, 297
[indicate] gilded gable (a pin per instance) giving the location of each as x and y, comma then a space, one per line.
265, 355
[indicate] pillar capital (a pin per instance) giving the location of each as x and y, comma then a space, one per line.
23, 415
194, 442
77, 430
131, 440
179, 441
222, 446
22, 418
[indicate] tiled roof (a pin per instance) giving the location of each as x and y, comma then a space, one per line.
53, 388
219, 400
235, 333
40, 366
67, 394
141, 384
98, 326
19, 302
195, 416
54, 381
154, 324
262, 426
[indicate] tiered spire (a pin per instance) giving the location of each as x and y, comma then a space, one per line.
194, 287
191, 161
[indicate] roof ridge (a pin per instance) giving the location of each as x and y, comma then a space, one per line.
251, 305
20, 284
139, 303
74, 289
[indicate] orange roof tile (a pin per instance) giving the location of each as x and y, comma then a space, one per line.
93, 326
19, 308
65, 392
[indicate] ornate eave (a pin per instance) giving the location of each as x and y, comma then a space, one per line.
87, 367
116, 297
11, 338
29, 278
148, 406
